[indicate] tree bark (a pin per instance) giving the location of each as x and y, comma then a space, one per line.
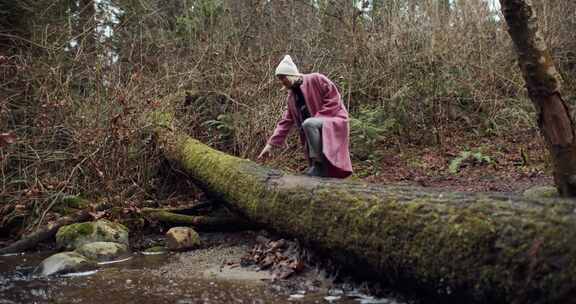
543, 83
444, 11
87, 26
486, 248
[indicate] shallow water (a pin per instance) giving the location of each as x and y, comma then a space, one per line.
198, 276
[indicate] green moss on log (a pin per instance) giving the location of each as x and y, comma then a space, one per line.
541, 192
219, 222
476, 247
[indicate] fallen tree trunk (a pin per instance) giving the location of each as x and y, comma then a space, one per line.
466, 247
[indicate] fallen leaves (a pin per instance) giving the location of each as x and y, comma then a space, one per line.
429, 166
281, 257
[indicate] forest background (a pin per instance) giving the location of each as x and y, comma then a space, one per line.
433, 88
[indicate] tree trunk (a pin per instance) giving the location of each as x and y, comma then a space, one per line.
487, 248
543, 84
87, 25
444, 11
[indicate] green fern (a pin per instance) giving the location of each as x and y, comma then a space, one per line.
468, 157
223, 126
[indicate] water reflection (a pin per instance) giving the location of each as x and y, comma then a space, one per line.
79, 274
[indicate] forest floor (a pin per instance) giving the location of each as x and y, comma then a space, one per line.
511, 163
508, 164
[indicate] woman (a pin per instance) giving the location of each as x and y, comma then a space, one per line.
316, 109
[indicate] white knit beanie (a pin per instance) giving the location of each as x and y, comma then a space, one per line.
287, 67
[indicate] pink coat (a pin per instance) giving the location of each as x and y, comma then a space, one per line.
323, 100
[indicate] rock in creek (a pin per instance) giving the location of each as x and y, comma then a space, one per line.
73, 236
102, 251
64, 262
182, 238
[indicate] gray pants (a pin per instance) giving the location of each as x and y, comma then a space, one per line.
313, 130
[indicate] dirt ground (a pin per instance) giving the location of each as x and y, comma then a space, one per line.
516, 162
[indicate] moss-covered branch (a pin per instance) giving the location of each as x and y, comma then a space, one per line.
485, 248
201, 222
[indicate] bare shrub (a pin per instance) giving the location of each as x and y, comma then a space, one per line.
77, 108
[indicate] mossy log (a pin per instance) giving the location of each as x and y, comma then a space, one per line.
200, 222
461, 247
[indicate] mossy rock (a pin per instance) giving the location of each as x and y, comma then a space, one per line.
102, 251
73, 236
541, 192
182, 238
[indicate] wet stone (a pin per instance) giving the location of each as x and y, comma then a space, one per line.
102, 251
182, 238
64, 262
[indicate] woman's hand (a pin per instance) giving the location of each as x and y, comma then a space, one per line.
266, 152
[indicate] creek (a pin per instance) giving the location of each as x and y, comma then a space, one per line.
206, 275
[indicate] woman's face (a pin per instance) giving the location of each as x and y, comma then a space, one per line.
285, 81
